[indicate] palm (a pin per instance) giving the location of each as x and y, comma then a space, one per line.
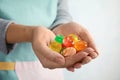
41, 40
73, 28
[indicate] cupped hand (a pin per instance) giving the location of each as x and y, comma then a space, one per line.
40, 43
49, 58
83, 34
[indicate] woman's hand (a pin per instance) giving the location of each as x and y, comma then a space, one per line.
40, 43
49, 58
74, 28
40, 38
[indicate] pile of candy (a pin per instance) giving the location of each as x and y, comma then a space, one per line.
67, 45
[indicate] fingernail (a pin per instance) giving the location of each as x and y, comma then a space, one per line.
94, 56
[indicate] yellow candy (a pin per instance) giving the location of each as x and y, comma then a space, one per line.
75, 37
70, 51
55, 46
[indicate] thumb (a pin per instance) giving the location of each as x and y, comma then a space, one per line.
52, 55
89, 39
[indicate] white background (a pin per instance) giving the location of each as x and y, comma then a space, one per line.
101, 18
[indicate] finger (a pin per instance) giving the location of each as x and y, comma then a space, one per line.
91, 52
79, 56
52, 55
71, 69
77, 65
88, 38
93, 55
70, 61
48, 63
86, 60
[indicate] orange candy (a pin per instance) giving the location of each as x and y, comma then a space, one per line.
70, 51
80, 45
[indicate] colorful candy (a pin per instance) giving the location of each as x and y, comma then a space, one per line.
75, 37
59, 38
69, 51
68, 41
56, 46
68, 45
80, 45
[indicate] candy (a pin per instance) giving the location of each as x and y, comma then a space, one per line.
59, 38
68, 45
55, 46
68, 41
80, 45
75, 37
70, 51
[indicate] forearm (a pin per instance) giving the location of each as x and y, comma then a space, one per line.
19, 33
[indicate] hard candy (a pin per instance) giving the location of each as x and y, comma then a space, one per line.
70, 51
80, 45
75, 37
59, 38
68, 42
55, 46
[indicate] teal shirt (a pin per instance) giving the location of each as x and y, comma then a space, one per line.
27, 12
24, 16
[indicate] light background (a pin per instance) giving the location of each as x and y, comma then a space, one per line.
101, 18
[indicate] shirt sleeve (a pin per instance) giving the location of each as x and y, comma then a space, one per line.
3, 28
63, 15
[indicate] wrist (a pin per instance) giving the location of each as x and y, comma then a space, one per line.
19, 33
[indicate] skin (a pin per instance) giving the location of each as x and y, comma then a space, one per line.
83, 34
38, 37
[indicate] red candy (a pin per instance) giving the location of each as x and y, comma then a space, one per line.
68, 41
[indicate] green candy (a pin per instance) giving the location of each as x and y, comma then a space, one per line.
59, 38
